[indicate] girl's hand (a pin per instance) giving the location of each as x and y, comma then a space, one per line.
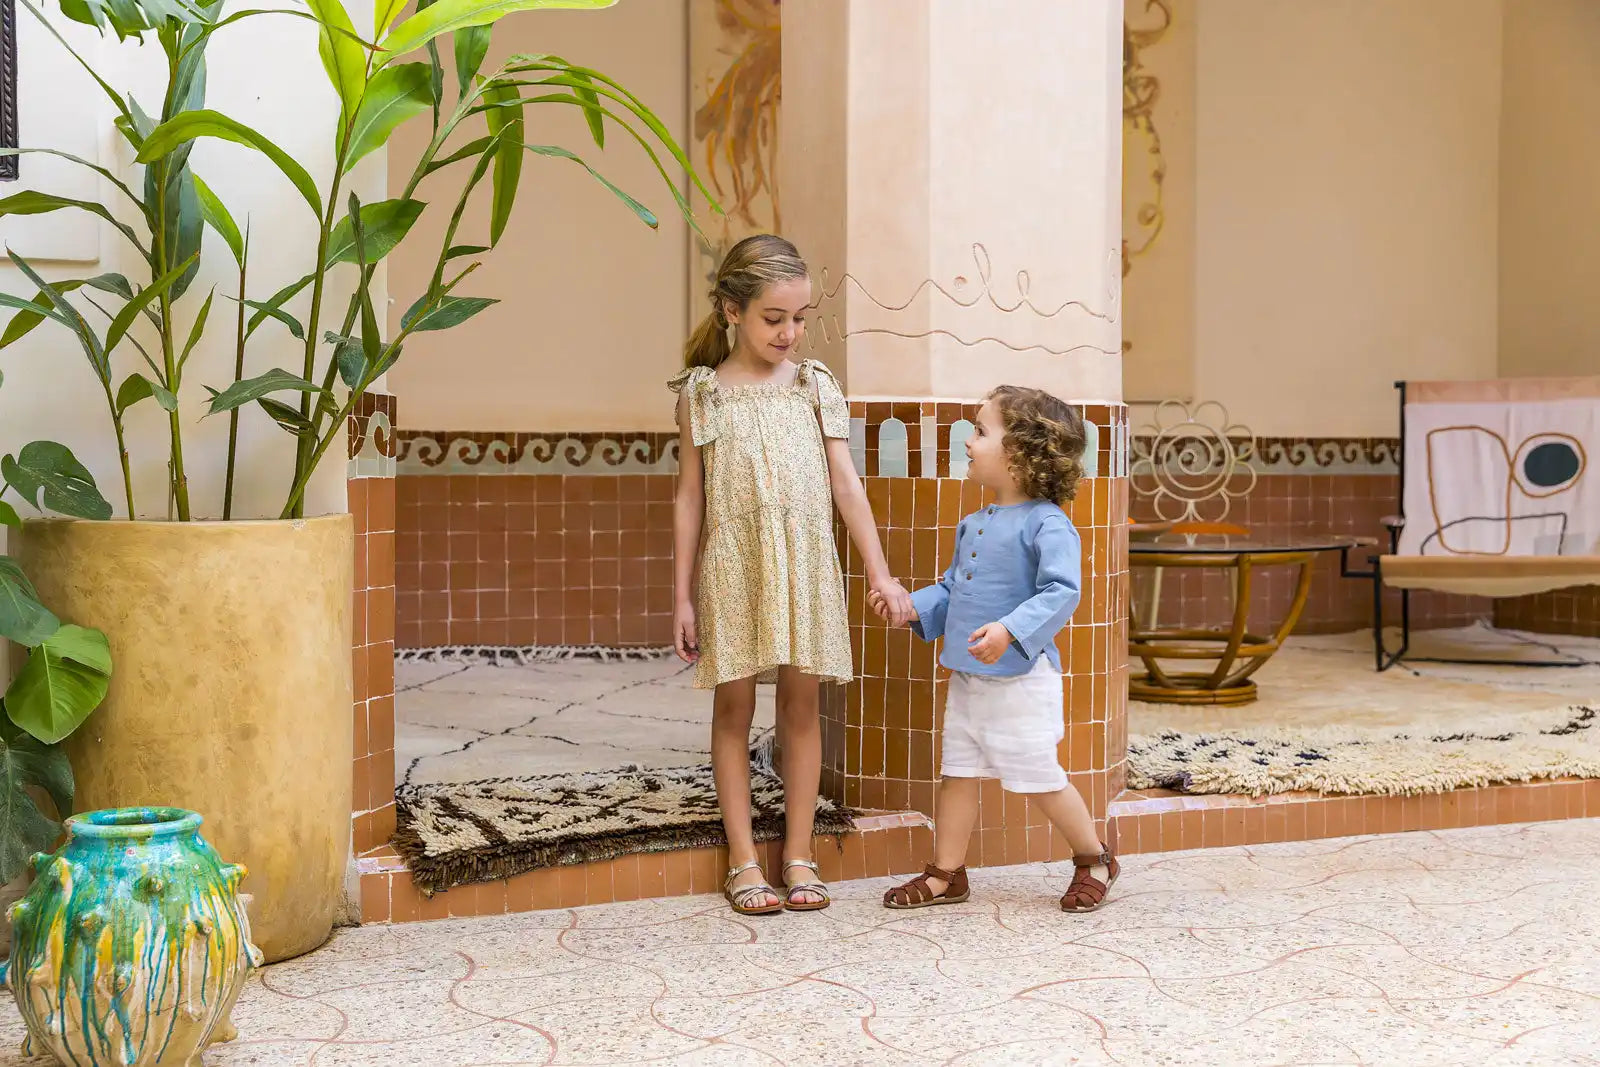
988, 643
685, 641
891, 601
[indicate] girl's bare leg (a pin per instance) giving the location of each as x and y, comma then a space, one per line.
732, 709
800, 739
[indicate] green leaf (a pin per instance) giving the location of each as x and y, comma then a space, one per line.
110, 283
196, 332
137, 387
217, 216
457, 251
471, 46
557, 152
190, 125
370, 340
130, 311
276, 380
349, 354
22, 618
8, 515
448, 16
187, 230
64, 679
506, 124
34, 202
102, 171
593, 114
24, 829
29, 315
68, 314
273, 308
384, 12
466, 151
284, 415
67, 485
447, 312
384, 225
394, 95
343, 57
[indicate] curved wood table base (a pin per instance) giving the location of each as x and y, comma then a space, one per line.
1241, 654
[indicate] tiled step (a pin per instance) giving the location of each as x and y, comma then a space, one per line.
883, 843
1162, 821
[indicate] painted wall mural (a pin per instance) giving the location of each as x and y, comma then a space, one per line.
735, 71
1158, 199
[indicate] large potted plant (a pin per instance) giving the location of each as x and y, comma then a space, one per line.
232, 695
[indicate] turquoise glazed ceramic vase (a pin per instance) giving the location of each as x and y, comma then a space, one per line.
132, 945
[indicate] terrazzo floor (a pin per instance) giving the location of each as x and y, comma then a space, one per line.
1477, 947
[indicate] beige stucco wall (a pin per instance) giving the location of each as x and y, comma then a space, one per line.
1348, 171
593, 319
1549, 181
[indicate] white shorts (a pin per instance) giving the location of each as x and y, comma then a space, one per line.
1006, 728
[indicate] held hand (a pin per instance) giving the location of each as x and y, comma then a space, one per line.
988, 643
891, 602
880, 608
685, 640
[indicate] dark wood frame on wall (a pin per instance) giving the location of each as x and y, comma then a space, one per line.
8, 88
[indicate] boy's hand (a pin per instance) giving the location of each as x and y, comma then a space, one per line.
988, 643
885, 611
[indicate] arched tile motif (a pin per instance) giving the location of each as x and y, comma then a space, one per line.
893, 450
960, 431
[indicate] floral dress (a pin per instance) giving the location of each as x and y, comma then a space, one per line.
770, 590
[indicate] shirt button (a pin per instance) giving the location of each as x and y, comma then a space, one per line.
969, 576
980, 533
974, 555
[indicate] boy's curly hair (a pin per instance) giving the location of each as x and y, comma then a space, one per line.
1044, 441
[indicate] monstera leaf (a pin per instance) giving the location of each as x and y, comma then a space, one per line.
64, 679
27, 763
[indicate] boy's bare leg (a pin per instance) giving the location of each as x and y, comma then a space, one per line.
1070, 816
956, 815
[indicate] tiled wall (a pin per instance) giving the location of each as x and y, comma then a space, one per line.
880, 735
371, 490
535, 539
1565, 611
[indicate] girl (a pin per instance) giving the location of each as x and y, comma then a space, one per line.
763, 460
1013, 586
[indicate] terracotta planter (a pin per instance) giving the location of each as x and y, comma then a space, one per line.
230, 694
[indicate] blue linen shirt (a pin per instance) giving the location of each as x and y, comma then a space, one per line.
1018, 565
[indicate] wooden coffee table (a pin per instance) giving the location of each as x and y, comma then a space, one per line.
1237, 652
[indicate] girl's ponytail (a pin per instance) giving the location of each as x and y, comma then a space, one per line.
708, 345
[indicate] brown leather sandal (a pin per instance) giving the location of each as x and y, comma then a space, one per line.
1088, 893
918, 894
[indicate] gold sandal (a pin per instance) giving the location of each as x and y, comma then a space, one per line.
739, 897
812, 886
